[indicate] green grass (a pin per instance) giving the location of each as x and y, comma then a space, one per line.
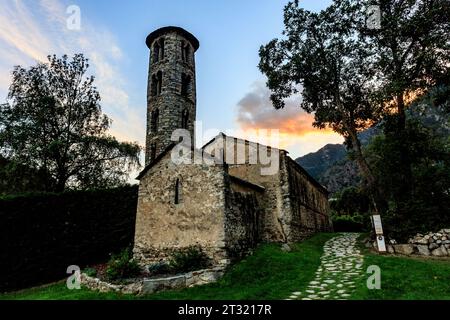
406, 278
267, 274
272, 274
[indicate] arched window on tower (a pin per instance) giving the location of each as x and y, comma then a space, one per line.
156, 51
154, 121
185, 119
177, 192
152, 151
161, 51
156, 84
185, 52
185, 85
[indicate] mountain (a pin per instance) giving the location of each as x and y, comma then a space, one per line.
316, 163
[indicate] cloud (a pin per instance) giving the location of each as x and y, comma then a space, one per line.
31, 30
296, 132
255, 110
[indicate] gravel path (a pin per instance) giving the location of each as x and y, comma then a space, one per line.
341, 265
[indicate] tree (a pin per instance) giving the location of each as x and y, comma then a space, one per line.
52, 122
411, 51
324, 55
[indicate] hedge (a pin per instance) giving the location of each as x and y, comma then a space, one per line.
42, 234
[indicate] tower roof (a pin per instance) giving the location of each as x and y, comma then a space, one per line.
189, 36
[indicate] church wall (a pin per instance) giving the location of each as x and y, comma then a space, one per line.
308, 204
241, 220
244, 167
163, 226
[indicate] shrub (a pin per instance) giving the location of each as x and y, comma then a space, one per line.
159, 268
91, 272
346, 223
190, 259
122, 266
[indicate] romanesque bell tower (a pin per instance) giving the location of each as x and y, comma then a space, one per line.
171, 95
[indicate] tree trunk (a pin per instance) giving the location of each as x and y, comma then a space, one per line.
374, 188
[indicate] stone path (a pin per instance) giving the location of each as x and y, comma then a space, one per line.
341, 265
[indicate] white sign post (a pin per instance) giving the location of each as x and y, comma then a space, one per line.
379, 233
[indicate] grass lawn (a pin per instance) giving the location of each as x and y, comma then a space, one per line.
406, 278
272, 274
268, 274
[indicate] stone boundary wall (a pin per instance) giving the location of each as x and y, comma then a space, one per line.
431, 244
153, 285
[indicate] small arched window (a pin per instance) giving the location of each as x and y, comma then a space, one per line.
154, 121
185, 119
185, 85
156, 84
177, 195
152, 151
185, 52
158, 50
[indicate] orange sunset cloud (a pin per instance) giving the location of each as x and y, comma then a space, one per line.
296, 132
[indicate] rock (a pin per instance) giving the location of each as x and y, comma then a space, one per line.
423, 250
422, 241
439, 252
427, 237
390, 249
435, 238
433, 246
286, 247
444, 238
438, 241
405, 249
447, 231
154, 285
438, 234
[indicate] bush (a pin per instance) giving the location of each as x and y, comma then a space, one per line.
122, 266
346, 223
159, 268
193, 258
91, 272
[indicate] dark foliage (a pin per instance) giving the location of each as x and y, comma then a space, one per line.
122, 266
43, 234
53, 123
193, 258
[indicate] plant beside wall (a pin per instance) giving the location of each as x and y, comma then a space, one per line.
122, 266
190, 259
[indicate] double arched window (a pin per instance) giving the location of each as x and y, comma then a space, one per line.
158, 50
156, 84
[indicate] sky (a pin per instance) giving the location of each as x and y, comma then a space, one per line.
231, 92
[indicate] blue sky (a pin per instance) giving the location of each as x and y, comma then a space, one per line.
230, 89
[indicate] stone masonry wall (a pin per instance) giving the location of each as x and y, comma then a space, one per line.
163, 226
241, 220
308, 203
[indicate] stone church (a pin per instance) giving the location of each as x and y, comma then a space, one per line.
226, 207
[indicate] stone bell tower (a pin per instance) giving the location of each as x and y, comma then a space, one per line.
171, 94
